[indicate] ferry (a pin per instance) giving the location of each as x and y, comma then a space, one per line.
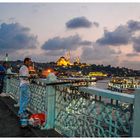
123, 84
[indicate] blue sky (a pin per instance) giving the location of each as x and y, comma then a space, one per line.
98, 33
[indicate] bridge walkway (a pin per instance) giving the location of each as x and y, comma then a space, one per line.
9, 123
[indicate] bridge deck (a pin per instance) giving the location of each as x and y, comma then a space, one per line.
9, 124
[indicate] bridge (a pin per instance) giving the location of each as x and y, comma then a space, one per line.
80, 111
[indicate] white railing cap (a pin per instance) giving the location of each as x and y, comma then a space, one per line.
109, 94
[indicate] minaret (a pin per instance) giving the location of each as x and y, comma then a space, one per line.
68, 56
78, 60
6, 57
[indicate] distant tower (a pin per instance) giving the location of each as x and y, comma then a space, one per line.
6, 57
68, 56
78, 60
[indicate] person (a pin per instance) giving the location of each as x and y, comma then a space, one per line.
2, 76
9, 70
24, 90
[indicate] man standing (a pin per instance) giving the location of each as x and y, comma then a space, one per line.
24, 91
2, 76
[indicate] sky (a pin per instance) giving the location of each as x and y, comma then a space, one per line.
97, 33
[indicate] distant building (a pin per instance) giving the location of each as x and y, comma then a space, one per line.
66, 61
62, 61
97, 73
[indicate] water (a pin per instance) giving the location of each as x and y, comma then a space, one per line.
102, 84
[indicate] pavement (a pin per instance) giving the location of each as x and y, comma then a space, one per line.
9, 123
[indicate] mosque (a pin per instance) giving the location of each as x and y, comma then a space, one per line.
65, 61
62, 61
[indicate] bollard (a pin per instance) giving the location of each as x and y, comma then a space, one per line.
136, 115
50, 119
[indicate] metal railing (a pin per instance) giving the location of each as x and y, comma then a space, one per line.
83, 111
89, 112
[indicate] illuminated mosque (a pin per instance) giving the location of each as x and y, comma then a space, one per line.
64, 61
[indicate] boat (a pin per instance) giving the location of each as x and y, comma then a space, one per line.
123, 84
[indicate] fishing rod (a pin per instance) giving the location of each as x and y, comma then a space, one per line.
68, 81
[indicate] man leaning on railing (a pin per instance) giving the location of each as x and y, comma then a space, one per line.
24, 91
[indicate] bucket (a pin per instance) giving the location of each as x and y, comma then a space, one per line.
23, 122
37, 119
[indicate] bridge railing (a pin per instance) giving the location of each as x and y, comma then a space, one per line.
89, 112
83, 111
38, 94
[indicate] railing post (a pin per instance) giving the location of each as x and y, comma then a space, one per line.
136, 116
51, 95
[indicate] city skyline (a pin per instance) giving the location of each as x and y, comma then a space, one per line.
98, 33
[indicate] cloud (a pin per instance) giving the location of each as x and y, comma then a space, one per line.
55, 52
131, 64
14, 37
12, 19
79, 22
71, 42
98, 53
85, 43
120, 36
132, 54
46, 56
133, 25
136, 44
96, 24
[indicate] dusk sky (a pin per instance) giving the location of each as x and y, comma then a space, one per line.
98, 33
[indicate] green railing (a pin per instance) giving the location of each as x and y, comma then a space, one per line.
83, 111
38, 94
89, 112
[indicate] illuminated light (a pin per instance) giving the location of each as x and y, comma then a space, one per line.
32, 71
97, 74
46, 72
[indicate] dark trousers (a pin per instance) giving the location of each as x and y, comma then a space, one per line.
1, 85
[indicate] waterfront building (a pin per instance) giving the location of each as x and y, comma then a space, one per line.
97, 73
